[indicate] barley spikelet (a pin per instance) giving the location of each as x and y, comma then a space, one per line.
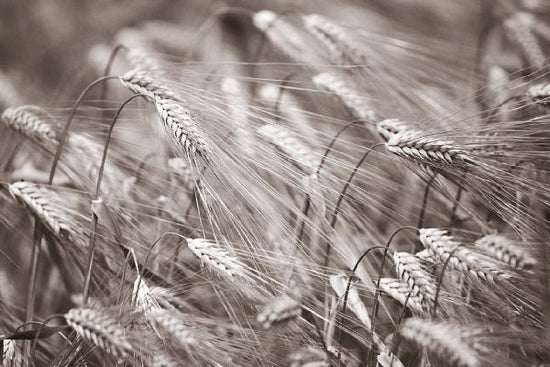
520, 28
339, 284
29, 124
282, 308
341, 48
351, 98
399, 291
463, 259
215, 257
292, 146
172, 323
390, 127
411, 144
420, 282
143, 82
506, 250
45, 204
182, 123
448, 341
96, 326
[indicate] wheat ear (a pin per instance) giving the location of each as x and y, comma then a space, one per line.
400, 291
412, 144
44, 204
282, 308
29, 125
461, 258
451, 343
506, 250
103, 330
350, 98
143, 82
420, 282
290, 144
183, 124
335, 39
215, 257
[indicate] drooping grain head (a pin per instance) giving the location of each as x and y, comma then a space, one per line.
183, 125
22, 120
506, 250
101, 329
414, 145
461, 258
282, 308
399, 291
290, 144
420, 282
44, 204
144, 82
171, 322
351, 98
215, 257
449, 342
341, 47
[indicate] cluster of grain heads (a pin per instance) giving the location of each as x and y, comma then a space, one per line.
182, 125
401, 292
421, 283
45, 205
281, 309
451, 343
506, 250
351, 98
216, 258
416, 146
23, 120
463, 259
291, 145
101, 329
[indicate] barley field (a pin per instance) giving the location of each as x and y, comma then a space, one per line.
275, 183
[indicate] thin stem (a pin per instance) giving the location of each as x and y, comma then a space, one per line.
342, 195
425, 201
68, 124
456, 202
33, 271
440, 278
108, 66
91, 246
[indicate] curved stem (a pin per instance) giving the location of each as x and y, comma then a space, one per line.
68, 124
42, 325
440, 278
425, 201
342, 195
346, 293
108, 66
307, 201
91, 246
